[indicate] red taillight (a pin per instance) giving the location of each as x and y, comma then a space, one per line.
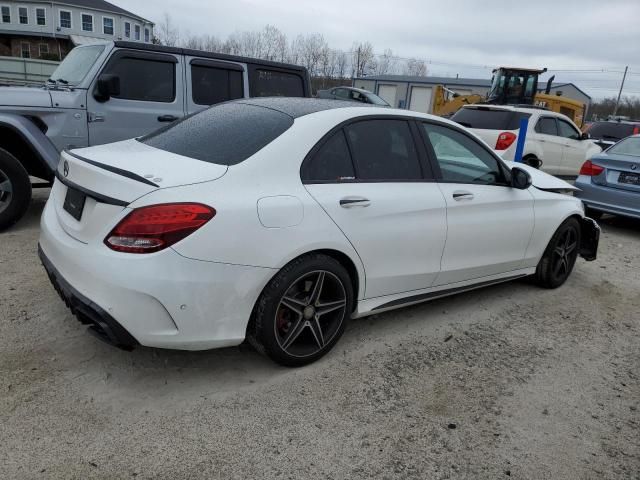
591, 169
153, 228
636, 130
505, 139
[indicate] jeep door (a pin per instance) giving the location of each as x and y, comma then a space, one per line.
151, 96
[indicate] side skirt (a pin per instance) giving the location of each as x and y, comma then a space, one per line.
372, 306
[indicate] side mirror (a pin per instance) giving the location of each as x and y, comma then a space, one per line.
108, 85
520, 178
585, 136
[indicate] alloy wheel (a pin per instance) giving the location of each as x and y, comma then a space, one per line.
310, 313
565, 253
6, 191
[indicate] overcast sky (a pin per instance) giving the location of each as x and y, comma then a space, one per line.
470, 36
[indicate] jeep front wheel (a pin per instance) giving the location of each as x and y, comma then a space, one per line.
15, 190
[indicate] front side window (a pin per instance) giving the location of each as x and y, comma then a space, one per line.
383, 150
214, 85
127, 30
225, 134
461, 159
65, 19
107, 25
87, 22
25, 49
566, 130
147, 35
6, 14
273, 83
330, 163
41, 16
144, 80
547, 126
23, 15
136, 32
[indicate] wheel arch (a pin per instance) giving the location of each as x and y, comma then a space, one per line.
27, 142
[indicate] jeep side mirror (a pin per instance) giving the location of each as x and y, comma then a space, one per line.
108, 86
585, 136
520, 178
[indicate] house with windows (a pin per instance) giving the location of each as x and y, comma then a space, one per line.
47, 30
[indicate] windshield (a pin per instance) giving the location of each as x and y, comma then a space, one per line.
628, 146
376, 100
77, 64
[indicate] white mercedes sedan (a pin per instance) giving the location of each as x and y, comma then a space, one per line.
276, 220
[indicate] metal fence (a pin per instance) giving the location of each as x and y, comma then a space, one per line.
25, 71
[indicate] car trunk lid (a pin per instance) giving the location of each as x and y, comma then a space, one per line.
620, 171
96, 184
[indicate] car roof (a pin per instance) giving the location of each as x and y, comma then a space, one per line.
297, 107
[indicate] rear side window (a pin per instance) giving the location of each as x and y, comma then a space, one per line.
145, 80
225, 134
611, 130
547, 126
489, 119
274, 83
211, 85
383, 150
331, 163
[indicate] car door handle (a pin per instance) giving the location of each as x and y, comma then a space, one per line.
461, 195
167, 118
350, 202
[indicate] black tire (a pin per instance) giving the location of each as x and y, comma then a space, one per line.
560, 256
287, 324
15, 196
532, 161
591, 213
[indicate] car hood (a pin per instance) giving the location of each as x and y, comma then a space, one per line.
542, 180
25, 97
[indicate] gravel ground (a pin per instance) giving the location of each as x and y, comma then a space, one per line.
509, 381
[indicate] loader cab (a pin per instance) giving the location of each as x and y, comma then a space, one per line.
514, 86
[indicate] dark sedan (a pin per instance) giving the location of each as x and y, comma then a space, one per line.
610, 181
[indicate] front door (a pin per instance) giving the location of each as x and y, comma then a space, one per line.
369, 178
546, 135
151, 96
489, 224
575, 149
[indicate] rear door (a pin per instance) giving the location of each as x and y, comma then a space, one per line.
151, 96
370, 178
489, 223
546, 134
213, 81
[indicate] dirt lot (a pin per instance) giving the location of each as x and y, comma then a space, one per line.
509, 381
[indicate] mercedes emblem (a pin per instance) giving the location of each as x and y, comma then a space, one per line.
65, 168
634, 166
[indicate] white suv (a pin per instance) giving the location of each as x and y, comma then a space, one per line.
553, 143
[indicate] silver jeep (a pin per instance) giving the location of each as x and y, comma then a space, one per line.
106, 92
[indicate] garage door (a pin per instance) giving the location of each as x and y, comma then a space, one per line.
388, 94
420, 99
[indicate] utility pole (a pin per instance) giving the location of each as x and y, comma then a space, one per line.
358, 63
615, 110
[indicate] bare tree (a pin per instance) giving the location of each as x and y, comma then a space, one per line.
166, 32
363, 59
386, 63
274, 43
341, 64
415, 67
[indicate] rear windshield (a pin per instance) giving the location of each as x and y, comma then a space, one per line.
488, 119
225, 134
628, 146
610, 130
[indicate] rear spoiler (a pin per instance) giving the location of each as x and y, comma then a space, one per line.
118, 171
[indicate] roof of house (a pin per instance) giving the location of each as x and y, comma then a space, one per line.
100, 5
471, 82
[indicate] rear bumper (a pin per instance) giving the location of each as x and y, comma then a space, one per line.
162, 299
103, 325
608, 199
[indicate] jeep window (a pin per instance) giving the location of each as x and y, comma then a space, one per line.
489, 118
145, 80
225, 134
273, 83
214, 85
77, 64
